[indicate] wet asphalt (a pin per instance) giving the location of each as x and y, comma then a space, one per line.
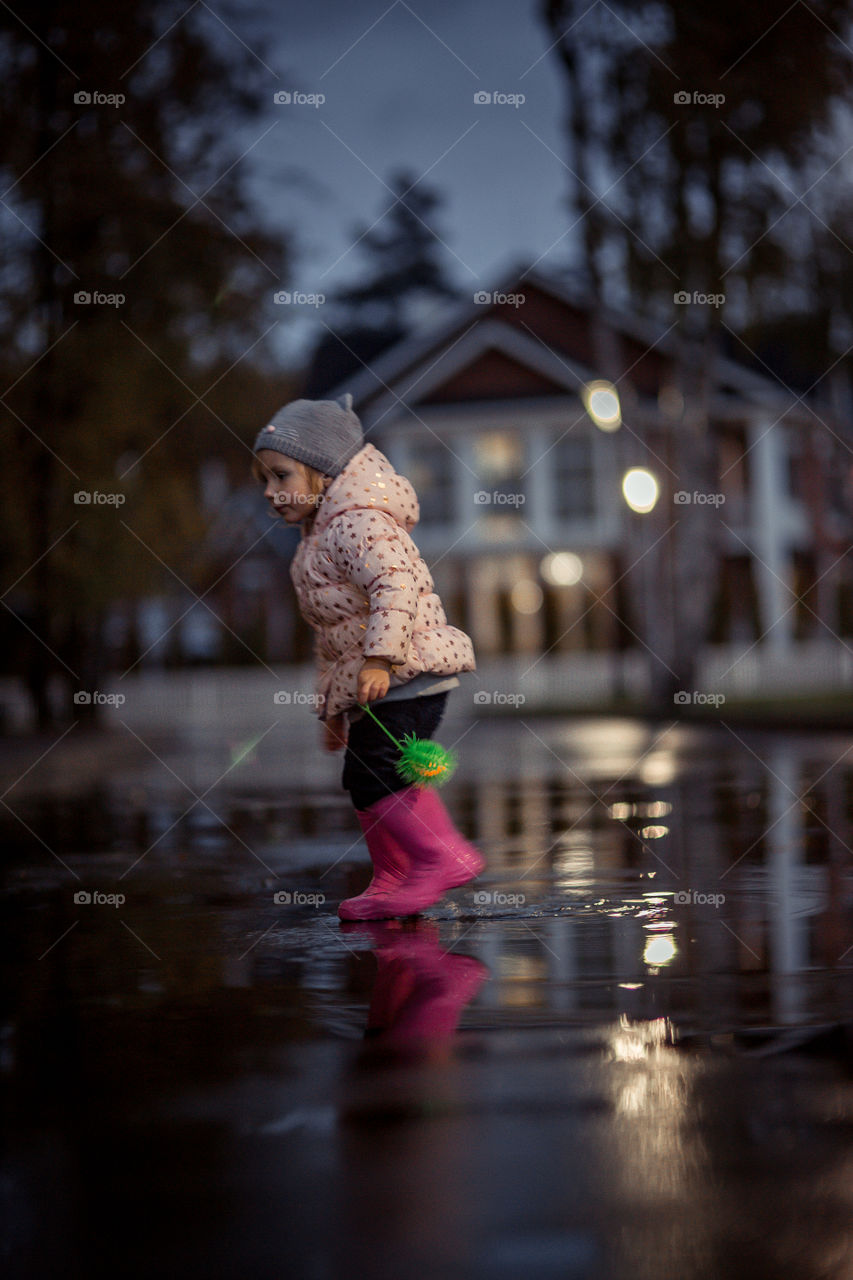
625, 1051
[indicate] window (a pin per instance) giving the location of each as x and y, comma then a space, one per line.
500, 466
430, 469
574, 477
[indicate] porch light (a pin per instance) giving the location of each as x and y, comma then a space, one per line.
601, 401
640, 489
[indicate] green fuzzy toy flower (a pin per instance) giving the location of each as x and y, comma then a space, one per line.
425, 762
422, 762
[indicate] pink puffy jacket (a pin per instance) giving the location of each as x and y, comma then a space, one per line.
363, 586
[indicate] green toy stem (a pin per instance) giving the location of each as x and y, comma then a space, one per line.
383, 727
422, 762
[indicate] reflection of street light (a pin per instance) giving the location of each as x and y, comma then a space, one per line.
601, 401
640, 489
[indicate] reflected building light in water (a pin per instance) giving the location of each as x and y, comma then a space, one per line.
659, 769
653, 809
653, 1089
667, 1098
523, 980
611, 748
634, 1040
632, 1097
572, 865
573, 857
660, 949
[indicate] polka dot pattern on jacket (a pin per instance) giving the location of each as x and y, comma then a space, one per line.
365, 589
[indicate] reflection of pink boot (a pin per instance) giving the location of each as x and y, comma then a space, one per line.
440, 857
390, 868
420, 989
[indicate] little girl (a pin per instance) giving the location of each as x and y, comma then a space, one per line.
381, 633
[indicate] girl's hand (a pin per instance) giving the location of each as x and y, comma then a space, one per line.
334, 733
374, 679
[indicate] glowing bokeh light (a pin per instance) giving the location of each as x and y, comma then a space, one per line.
562, 569
660, 949
526, 596
640, 489
601, 401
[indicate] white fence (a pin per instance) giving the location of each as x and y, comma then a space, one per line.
756, 671
197, 699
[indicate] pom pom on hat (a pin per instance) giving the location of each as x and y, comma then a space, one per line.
324, 434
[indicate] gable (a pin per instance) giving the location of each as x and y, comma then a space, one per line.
544, 345
492, 375
567, 328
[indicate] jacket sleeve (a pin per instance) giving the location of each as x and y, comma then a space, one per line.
367, 547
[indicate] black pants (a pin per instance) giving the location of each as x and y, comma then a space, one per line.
371, 757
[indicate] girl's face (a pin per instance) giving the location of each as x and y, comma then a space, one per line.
288, 486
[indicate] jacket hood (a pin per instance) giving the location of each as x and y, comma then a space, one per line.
369, 481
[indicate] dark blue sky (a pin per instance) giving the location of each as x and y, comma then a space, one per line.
399, 81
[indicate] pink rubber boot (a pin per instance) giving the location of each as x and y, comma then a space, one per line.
390, 869
440, 857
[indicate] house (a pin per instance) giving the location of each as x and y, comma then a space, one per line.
523, 523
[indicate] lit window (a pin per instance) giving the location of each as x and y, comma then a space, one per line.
500, 466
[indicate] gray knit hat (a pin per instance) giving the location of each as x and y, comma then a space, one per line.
324, 434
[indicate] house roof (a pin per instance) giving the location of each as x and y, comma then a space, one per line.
551, 341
